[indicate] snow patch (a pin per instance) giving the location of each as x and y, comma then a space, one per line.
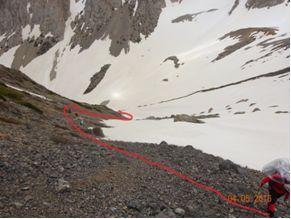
6, 58
7, 38
2, 37
49, 35
135, 8
29, 32
28, 7
76, 7
28, 92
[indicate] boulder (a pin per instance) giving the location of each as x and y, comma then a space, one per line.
163, 143
166, 213
98, 132
186, 118
180, 211
63, 186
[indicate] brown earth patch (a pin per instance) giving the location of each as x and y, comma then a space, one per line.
245, 36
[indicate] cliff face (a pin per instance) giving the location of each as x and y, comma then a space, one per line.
262, 3
121, 23
36, 26
46, 17
34, 33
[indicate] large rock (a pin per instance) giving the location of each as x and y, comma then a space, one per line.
134, 204
180, 211
186, 118
163, 143
97, 78
18, 204
96, 131
63, 185
192, 208
166, 213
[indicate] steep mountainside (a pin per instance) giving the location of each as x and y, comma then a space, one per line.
225, 62
48, 170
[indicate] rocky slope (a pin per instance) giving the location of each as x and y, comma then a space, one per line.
212, 74
48, 170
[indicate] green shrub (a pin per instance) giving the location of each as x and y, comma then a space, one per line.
31, 106
10, 93
10, 120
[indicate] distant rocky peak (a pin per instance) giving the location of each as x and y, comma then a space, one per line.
120, 21
31, 20
36, 26
250, 4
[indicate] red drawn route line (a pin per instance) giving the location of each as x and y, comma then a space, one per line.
128, 117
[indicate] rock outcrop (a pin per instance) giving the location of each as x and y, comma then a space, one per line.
97, 78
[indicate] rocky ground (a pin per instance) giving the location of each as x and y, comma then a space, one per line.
48, 170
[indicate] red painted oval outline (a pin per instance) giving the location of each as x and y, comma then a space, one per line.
128, 117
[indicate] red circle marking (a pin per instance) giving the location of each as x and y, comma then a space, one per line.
127, 117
